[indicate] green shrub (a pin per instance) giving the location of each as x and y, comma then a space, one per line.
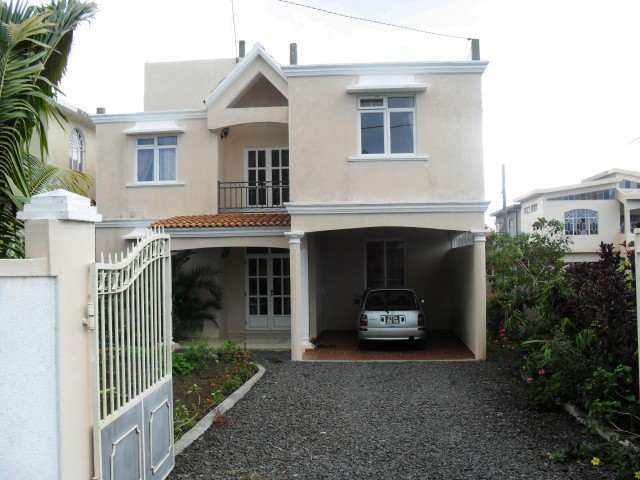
572, 326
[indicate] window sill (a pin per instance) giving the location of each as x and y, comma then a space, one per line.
408, 157
154, 184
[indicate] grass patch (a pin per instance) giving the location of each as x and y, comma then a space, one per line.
203, 376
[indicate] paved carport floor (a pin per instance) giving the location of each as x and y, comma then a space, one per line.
416, 420
343, 345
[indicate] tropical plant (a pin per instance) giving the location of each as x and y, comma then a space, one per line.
35, 42
196, 294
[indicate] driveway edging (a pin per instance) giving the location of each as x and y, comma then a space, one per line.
227, 404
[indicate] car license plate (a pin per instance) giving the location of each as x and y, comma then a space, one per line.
393, 319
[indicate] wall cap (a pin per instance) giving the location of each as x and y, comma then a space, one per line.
60, 205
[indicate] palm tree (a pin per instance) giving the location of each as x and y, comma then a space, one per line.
35, 42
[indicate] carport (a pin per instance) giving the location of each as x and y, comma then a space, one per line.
438, 264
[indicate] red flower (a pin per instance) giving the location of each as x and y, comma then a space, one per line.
529, 379
541, 372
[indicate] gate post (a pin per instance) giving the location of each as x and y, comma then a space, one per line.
60, 227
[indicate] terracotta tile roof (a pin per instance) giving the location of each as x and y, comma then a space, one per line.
227, 220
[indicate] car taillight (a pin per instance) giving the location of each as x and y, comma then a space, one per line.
364, 322
420, 320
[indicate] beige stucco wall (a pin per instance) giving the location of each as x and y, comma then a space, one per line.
197, 167
448, 130
182, 85
459, 302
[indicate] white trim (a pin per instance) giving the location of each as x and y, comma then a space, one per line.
149, 116
614, 171
168, 183
156, 147
386, 111
125, 223
387, 84
294, 237
257, 51
566, 188
156, 127
396, 157
384, 68
226, 232
388, 88
447, 206
479, 237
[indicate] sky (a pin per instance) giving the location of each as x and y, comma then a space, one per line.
561, 95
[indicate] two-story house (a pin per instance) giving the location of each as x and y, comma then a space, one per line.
71, 141
306, 184
602, 208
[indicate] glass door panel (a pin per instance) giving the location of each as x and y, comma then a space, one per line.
268, 290
257, 172
258, 291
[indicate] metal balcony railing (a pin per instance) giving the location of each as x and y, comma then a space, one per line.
242, 196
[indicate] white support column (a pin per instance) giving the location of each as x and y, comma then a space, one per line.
628, 233
479, 296
60, 227
299, 262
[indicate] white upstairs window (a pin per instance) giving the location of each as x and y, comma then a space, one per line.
387, 125
156, 159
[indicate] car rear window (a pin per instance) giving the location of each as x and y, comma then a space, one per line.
391, 300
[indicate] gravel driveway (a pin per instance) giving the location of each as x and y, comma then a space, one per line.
462, 420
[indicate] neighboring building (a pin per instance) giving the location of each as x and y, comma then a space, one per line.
305, 184
508, 219
71, 144
602, 208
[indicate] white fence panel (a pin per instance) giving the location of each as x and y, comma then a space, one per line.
132, 339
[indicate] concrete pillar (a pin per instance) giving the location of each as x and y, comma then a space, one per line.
627, 222
60, 227
479, 296
299, 271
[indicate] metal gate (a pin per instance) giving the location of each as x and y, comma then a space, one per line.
133, 404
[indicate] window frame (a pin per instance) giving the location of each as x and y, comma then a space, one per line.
82, 149
588, 215
386, 111
405, 260
155, 147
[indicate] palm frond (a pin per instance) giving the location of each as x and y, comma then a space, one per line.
35, 43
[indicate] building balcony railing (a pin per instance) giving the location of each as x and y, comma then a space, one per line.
251, 196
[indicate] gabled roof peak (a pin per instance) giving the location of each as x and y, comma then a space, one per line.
257, 51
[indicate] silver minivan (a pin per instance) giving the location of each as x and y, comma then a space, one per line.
391, 314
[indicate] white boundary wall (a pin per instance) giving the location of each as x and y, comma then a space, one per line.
46, 416
29, 443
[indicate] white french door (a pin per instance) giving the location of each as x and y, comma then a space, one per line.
268, 289
267, 176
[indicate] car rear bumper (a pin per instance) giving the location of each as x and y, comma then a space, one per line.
391, 333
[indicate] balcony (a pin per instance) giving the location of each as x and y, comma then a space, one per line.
251, 196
